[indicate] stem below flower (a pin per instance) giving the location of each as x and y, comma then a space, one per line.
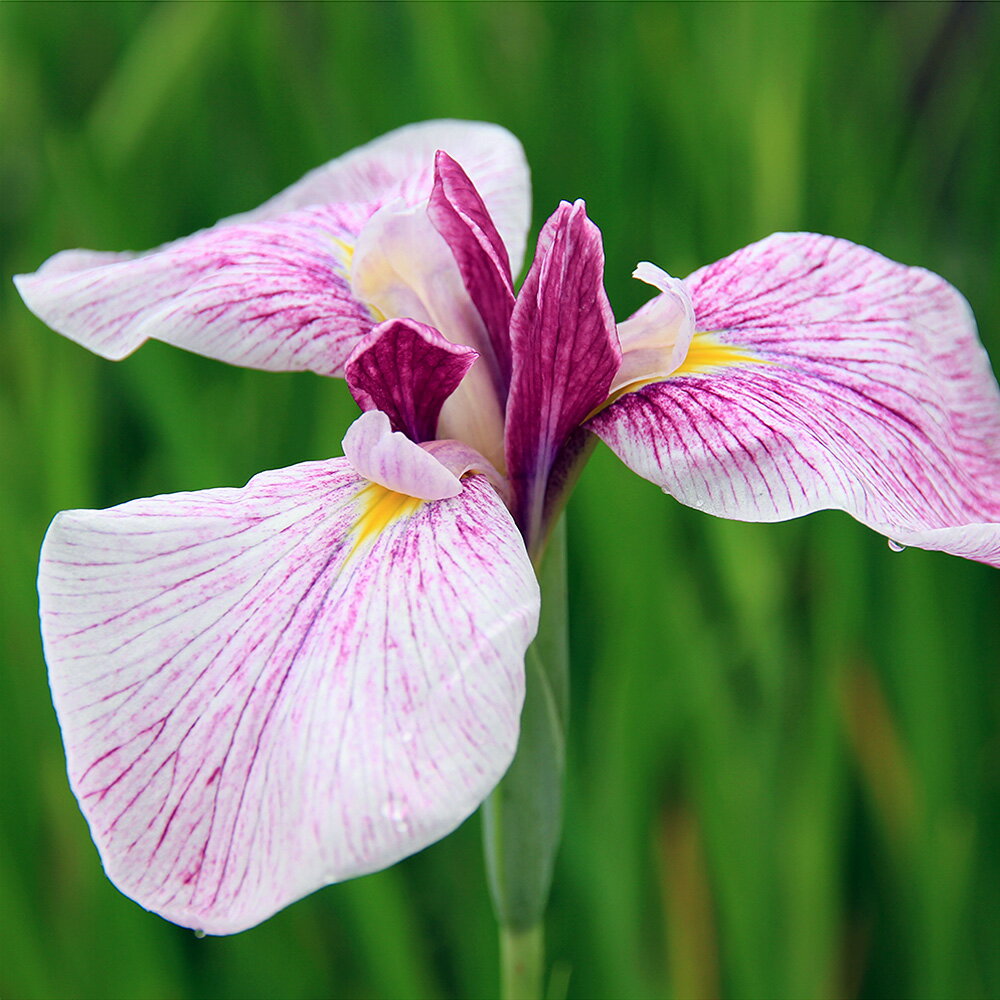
522, 960
522, 818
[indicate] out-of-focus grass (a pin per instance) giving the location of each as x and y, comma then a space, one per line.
784, 753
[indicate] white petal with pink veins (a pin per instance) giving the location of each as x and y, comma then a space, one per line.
831, 377
271, 288
273, 295
268, 689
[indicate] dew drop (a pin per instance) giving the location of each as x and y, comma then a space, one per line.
199, 934
396, 813
895, 546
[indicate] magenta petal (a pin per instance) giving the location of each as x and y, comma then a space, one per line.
858, 384
268, 689
461, 217
565, 354
273, 295
407, 370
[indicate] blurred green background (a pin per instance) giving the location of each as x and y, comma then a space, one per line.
784, 770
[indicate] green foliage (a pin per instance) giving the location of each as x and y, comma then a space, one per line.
783, 766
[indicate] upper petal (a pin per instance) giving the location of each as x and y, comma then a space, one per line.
404, 267
461, 217
270, 288
565, 354
268, 689
400, 164
838, 379
273, 294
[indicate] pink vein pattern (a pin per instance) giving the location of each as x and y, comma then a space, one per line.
271, 288
257, 699
273, 295
400, 164
875, 397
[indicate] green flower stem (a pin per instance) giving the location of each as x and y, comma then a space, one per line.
522, 818
522, 961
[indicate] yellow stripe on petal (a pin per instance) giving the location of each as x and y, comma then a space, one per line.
346, 251
380, 507
708, 353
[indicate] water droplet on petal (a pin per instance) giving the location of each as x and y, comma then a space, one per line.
896, 546
396, 813
199, 934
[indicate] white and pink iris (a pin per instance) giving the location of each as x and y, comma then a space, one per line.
268, 689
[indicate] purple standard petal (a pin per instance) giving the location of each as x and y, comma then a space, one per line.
407, 370
273, 295
268, 689
565, 355
461, 217
835, 379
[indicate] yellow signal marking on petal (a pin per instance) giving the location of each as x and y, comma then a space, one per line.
708, 352
621, 391
380, 507
347, 260
346, 250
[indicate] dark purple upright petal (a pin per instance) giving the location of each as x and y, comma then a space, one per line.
407, 370
565, 355
461, 217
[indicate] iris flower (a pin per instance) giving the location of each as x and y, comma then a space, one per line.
268, 689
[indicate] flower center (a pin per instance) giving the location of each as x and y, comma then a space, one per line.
402, 267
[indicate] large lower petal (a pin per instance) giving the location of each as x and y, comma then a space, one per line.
274, 295
268, 689
834, 378
565, 354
